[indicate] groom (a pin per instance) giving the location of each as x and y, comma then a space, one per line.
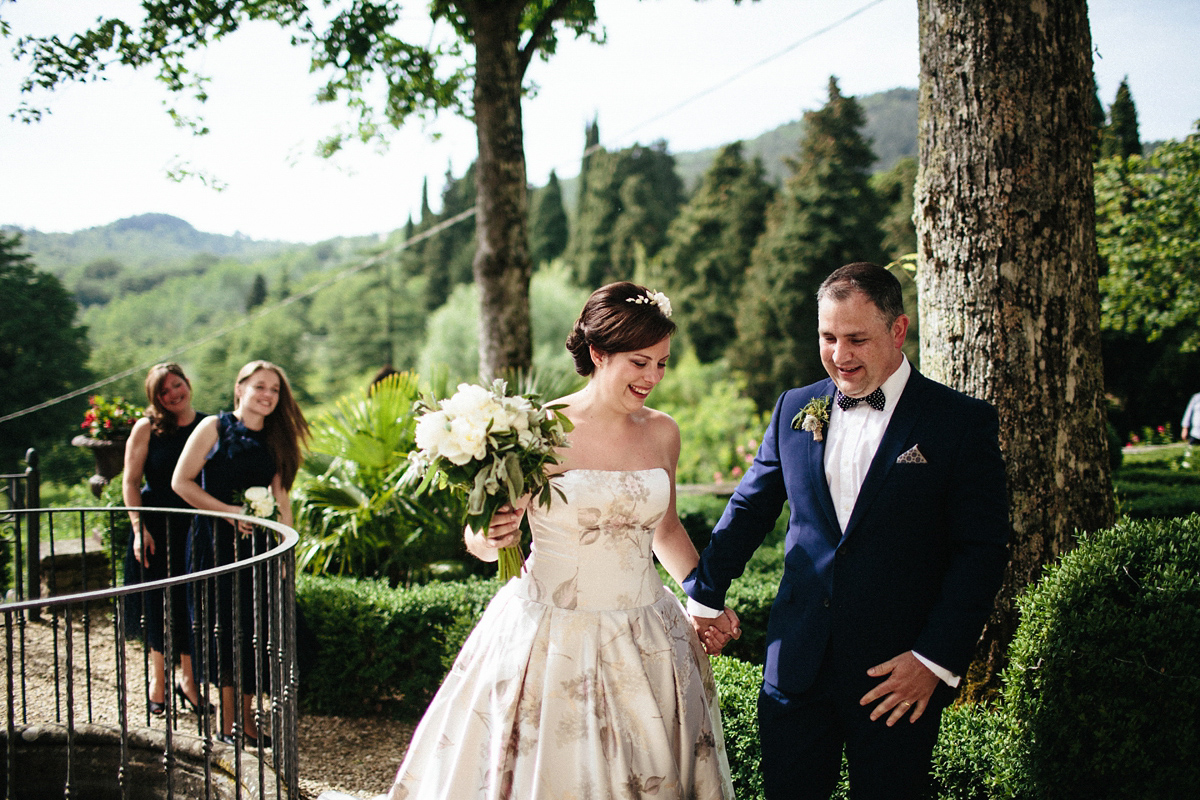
896, 545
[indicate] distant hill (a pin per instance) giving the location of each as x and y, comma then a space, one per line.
166, 245
891, 126
144, 242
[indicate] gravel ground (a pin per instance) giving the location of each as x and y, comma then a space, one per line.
352, 755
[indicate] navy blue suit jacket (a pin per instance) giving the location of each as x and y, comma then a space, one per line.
922, 556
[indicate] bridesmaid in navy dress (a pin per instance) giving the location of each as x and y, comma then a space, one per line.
157, 548
258, 444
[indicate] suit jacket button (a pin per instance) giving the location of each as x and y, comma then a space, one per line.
826, 602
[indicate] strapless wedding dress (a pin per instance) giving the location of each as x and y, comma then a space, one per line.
583, 679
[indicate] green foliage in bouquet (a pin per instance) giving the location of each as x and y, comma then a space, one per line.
491, 447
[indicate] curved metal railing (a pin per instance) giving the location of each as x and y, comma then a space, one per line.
54, 687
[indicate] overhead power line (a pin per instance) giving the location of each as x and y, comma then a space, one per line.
742, 73
438, 228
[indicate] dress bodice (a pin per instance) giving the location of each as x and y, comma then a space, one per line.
593, 550
162, 453
240, 460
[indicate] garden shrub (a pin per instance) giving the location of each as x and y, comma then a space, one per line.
1102, 680
384, 650
738, 683
751, 596
975, 756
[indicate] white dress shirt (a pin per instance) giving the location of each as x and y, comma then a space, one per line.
850, 444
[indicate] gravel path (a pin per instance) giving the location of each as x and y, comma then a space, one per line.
356, 756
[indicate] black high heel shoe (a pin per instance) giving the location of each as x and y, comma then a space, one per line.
157, 709
186, 702
250, 742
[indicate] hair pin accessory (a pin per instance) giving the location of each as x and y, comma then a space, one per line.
657, 298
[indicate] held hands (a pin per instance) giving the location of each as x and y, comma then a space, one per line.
908, 687
716, 632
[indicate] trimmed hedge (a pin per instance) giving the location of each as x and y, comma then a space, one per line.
738, 684
1103, 682
384, 650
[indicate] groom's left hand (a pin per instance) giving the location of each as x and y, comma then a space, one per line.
908, 686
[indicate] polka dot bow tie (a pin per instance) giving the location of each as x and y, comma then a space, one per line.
875, 400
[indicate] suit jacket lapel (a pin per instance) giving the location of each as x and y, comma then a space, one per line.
816, 471
890, 447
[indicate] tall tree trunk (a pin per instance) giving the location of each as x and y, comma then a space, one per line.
1009, 299
502, 265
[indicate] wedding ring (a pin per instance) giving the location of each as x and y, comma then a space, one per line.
906, 703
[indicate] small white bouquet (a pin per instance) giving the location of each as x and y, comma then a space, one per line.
490, 446
258, 501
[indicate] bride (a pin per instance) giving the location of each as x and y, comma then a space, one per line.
584, 678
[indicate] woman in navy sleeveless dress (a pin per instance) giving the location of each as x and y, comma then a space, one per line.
257, 445
157, 546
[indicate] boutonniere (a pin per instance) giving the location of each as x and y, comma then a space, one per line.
813, 418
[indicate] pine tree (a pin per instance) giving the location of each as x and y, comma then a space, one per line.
1121, 134
548, 231
826, 216
704, 263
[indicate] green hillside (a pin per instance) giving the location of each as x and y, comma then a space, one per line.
147, 241
891, 127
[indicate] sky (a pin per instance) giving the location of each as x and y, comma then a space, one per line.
695, 73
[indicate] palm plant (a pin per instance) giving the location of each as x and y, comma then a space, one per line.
355, 516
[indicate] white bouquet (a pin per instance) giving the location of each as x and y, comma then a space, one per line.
258, 501
490, 446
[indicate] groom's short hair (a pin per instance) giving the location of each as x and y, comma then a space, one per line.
876, 282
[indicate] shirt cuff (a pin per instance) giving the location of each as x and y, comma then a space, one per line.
696, 609
947, 677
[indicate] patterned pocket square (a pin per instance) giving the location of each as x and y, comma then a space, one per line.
912, 456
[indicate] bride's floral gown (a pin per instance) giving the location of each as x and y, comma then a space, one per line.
584, 679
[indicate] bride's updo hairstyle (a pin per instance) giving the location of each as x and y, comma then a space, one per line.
618, 318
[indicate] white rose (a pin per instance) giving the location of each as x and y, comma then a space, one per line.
260, 501
432, 429
470, 401
467, 440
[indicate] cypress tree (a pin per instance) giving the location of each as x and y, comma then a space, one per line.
631, 197
258, 293
548, 231
1098, 118
1121, 134
591, 143
895, 191
447, 255
827, 215
704, 263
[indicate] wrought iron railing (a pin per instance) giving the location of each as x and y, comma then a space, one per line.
78, 723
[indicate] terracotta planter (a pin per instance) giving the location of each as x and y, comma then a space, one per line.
110, 459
